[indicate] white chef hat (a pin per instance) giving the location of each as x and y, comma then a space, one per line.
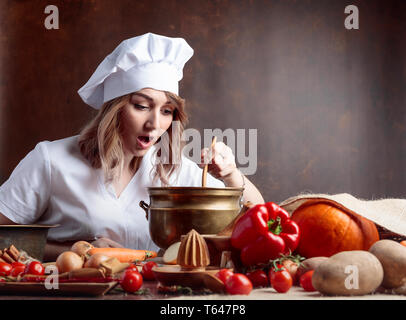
146, 61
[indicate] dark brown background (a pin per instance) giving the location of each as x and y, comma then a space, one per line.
328, 103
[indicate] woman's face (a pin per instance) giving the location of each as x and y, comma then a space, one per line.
144, 119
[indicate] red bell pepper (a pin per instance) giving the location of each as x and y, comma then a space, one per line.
263, 233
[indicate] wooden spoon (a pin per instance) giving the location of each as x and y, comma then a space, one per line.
204, 176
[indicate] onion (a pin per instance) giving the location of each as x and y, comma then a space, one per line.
95, 260
81, 248
68, 261
171, 254
291, 267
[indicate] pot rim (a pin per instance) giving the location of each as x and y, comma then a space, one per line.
195, 191
193, 188
29, 226
196, 188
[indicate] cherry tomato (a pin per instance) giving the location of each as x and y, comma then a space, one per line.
131, 281
258, 278
238, 283
17, 270
17, 264
146, 271
306, 281
35, 268
5, 269
132, 267
280, 279
223, 274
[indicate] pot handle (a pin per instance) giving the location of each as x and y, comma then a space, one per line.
241, 202
145, 206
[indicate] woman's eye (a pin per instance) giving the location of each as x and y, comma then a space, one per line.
168, 111
140, 107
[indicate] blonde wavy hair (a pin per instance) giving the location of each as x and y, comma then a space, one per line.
101, 143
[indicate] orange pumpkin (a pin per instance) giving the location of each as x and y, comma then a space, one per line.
326, 230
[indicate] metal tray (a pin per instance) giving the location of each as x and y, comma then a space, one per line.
30, 238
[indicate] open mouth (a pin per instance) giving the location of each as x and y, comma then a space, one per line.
145, 141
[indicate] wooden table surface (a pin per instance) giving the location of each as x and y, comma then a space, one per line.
149, 291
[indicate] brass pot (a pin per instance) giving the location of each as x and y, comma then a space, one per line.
174, 211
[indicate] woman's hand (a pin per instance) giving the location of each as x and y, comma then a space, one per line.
106, 243
221, 165
221, 162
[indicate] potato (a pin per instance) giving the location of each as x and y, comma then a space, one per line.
309, 264
348, 273
392, 256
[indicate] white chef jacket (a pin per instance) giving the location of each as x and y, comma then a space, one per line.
55, 184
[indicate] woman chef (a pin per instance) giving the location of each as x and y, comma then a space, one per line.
91, 184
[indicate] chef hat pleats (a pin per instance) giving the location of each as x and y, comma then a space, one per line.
146, 61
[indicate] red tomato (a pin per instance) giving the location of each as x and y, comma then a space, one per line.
238, 283
131, 281
258, 278
132, 267
280, 279
17, 264
17, 270
5, 269
306, 281
223, 274
35, 268
146, 271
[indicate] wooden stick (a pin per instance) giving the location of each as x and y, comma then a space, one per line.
204, 176
6, 257
86, 273
13, 252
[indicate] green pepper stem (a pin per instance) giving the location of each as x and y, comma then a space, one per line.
274, 225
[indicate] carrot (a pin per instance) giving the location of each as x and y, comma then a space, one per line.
124, 254
403, 243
